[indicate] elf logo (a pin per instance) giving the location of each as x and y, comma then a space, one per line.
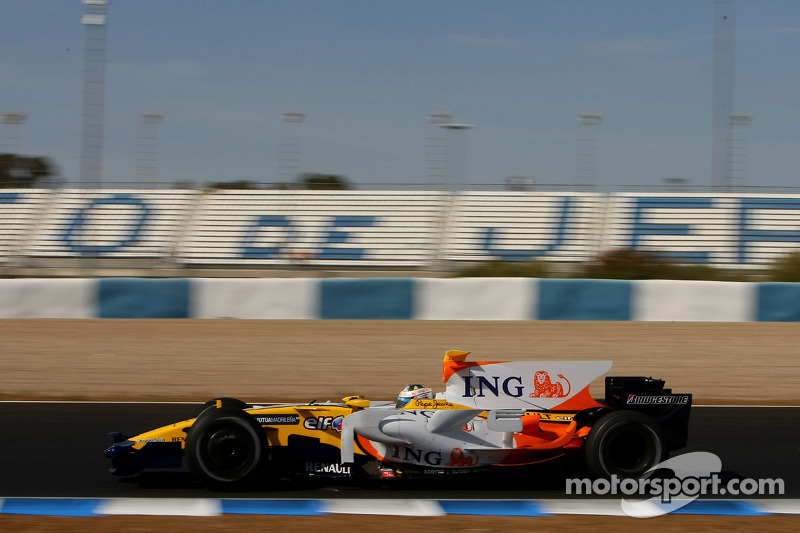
324, 423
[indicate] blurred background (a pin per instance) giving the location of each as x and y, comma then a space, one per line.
417, 137
415, 95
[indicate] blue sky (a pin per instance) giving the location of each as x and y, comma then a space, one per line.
369, 72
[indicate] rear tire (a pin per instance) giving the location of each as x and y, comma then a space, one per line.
226, 447
624, 443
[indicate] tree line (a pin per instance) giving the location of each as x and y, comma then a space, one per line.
23, 171
17, 171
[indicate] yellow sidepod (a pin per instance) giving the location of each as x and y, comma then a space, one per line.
322, 422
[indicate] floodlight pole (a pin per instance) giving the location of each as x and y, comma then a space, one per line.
586, 148
10, 143
456, 183
436, 149
736, 148
147, 147
722, 90
289, 145
94, 73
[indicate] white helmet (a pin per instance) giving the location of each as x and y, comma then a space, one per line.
413, 392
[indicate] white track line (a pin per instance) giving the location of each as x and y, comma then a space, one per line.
583, 507
384, 507
776, 506
160, 507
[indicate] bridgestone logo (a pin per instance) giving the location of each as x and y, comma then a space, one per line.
657, 400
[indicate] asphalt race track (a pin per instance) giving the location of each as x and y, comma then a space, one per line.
56, 450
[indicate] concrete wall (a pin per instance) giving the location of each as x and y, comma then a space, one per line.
398, 230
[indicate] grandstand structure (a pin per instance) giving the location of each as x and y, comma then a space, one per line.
264, 233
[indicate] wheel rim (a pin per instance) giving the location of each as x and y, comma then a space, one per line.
631, 451
230, 451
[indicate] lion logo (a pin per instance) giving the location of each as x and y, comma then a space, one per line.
543, 387
459, 457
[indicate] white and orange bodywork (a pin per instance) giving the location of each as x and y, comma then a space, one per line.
491, 413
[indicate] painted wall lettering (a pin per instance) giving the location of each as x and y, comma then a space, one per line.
491, 235
750, 232
642, 228
333, 246
249, 248
74, 237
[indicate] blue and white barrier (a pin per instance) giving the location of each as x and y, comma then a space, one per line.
401, 299
201, 507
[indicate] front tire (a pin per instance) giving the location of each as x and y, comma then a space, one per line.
226, 447
624, 443
225, 403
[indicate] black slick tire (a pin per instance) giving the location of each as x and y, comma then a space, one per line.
624, 443
226, 447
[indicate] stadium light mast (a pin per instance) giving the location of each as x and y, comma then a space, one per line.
724, 70
147, 146
10, 143
289, 145
736, 152
586, 148
94, 73
436, 149
456, 177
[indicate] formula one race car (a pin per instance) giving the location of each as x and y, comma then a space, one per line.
491, 416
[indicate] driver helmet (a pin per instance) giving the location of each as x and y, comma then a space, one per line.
413, 392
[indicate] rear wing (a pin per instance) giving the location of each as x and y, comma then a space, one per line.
649, 396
